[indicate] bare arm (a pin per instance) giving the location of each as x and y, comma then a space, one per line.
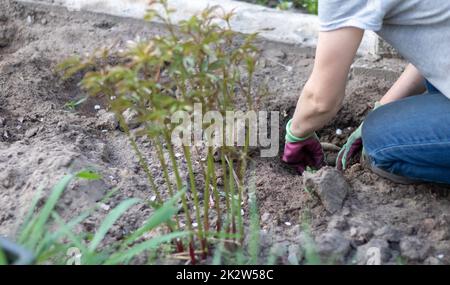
324, 92
411, 82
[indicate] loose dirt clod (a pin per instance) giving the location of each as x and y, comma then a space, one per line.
131, 118
333, 246
6, 35
330, 185
413, 248
106, 121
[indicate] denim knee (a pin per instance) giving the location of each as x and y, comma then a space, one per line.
373, 136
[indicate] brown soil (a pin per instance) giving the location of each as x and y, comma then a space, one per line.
40, 141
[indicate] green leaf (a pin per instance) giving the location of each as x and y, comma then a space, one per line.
88, 175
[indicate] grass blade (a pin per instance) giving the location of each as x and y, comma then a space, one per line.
27, 224
110, 219
144, 246
160, 216
3, 259
39, 224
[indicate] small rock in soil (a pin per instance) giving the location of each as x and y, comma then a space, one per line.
333, 246
432, 261
6, 36
414, 249
265, 217
30, 20
330, 185
106, 121
275, 54
428, 225
295, 254
31, 132
338, 223
131, 118
361, 234
389, 233
375, 252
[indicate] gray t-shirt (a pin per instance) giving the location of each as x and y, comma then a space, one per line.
418, 29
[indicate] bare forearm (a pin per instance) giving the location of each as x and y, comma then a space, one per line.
324, 92
411, 82
314, 111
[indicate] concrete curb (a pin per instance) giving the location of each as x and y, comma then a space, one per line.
280, 26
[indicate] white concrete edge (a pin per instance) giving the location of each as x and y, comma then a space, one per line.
280, 26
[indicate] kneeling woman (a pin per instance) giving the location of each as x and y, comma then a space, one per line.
406, 137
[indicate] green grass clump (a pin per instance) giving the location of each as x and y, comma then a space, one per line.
50, 238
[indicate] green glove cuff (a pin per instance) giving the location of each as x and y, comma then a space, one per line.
290, 138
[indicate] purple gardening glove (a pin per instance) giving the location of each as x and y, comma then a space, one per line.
303, 153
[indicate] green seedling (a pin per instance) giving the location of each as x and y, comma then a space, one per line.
199, 61
72, 105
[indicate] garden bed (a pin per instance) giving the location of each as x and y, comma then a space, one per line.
41, 140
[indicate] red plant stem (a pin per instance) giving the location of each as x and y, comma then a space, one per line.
204, 248
218, 226
180, 247
192, 252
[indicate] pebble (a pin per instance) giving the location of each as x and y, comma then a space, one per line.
432, 261
361, 234
265, 217
30, 20
376, 252
339, 132
97, 107
131, 118
31, 132
104, 207
106, 121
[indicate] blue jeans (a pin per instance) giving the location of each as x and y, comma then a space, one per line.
411, 137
